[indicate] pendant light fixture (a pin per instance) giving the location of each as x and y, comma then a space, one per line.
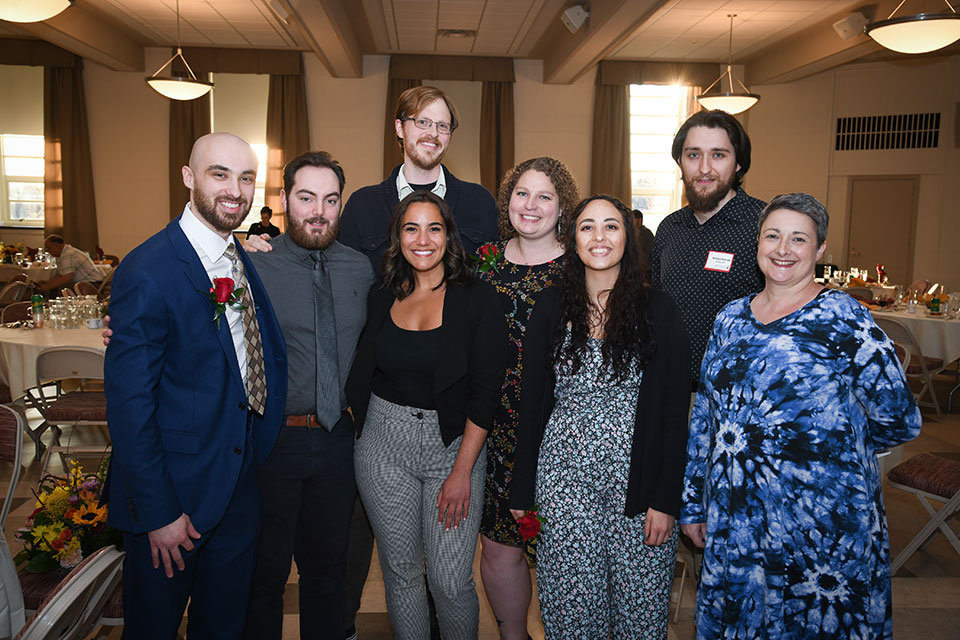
919, 33
729, 101
175, 87
31, 10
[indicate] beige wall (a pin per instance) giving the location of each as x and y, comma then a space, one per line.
792, 134
346, 118
21, 109
129, 124
554, 120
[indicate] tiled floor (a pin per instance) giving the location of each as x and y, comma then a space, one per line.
926, 590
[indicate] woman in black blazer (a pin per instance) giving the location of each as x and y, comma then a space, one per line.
603, 431
424, 389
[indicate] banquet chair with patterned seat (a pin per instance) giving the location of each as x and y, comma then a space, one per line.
12, 610
929, 477
16, 311
918, 366
75, 606
84, 288
73, 408
20, 277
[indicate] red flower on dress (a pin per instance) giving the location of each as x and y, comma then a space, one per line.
488, 258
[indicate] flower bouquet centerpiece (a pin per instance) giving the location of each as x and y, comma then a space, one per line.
68, 524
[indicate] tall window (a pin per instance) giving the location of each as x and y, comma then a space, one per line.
656, 112
261, 186
21, 186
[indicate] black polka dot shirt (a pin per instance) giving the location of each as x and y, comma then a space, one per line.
693, 263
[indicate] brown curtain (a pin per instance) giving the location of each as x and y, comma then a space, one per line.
189, 119
70, 208
610, 158
288, 130
392, 155
496, 133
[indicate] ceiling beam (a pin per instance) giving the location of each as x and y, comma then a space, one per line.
328, 31
85, 33
815, 49
567, 56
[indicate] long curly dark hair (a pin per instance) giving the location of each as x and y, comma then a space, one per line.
397, 273
628, 343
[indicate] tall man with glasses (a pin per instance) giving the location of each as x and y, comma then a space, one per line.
425, 120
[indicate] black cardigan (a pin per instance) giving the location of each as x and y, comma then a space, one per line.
658, 455
472, 362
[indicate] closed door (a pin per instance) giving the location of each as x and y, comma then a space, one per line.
883, 213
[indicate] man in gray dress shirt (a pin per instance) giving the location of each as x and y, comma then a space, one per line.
307, 483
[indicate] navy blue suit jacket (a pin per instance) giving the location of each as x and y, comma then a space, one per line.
176, 404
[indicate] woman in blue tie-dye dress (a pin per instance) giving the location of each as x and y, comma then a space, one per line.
799, 390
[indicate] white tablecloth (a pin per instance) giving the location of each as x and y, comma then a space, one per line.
19, 349
37, 274
937, 337
8, 271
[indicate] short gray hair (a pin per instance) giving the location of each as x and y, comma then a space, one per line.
801, 203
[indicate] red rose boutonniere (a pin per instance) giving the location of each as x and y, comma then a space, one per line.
222, 294
488, 258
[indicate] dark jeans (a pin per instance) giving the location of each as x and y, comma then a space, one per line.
307, 488
359, 555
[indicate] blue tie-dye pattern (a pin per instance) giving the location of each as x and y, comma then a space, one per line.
782, 468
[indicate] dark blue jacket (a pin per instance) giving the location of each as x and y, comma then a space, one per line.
366, 216
176, 403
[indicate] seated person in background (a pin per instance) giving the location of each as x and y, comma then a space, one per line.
73, 265
264, 226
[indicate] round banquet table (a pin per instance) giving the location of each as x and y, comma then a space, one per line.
938, 337
19, 349
36, 274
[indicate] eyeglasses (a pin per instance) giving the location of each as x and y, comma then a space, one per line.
425, 123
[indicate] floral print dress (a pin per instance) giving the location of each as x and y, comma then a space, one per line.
782, 468
516, 286
595, 576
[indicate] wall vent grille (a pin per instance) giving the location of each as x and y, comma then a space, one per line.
904, 131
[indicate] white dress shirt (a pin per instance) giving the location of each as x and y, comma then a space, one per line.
404, 189
210, 248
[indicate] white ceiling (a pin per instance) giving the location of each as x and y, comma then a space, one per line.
699, 30
780, 39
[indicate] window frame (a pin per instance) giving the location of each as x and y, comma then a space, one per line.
6, 220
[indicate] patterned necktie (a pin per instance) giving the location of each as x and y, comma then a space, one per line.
325, 331
256, 375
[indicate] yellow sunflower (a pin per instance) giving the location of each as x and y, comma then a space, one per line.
89, 514
55, 502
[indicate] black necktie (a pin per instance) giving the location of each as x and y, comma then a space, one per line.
325, 329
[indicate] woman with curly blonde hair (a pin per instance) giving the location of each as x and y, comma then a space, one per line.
535, 200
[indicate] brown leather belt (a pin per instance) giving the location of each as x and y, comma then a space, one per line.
308, 421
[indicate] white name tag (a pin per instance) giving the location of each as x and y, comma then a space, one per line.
719, 261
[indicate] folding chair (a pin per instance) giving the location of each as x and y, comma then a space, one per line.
12, 292
75, 606
84, 288
918, 366
104, 291
75, 408
12, 614
929, 477
16, 311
